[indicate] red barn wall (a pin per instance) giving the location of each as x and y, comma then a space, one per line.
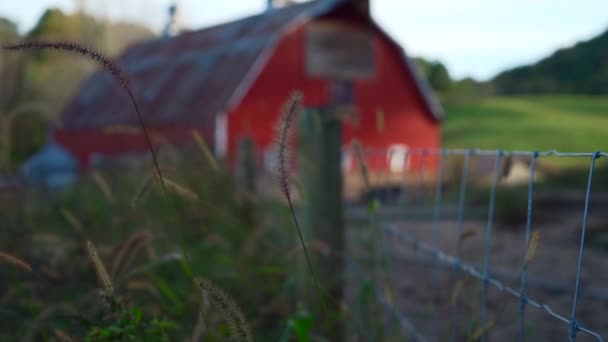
85, 143
392, 90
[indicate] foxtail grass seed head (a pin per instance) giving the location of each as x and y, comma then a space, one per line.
284, 132
284, 135
103, 185
229, 309
532, 246
72, 220
77, 48
482, 330
128, 251
202, 145
99, 268
137, 285
180, 190
62, 336
15, 261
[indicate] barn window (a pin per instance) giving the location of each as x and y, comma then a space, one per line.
398, 158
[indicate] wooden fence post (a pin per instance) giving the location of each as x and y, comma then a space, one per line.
246, 177
5, 144
319, 159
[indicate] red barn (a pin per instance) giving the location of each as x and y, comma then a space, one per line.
232, 80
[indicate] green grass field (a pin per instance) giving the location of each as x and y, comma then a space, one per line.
561, 122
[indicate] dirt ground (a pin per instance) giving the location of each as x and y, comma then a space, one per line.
416, 280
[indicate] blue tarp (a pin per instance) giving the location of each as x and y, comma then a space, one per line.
53, 167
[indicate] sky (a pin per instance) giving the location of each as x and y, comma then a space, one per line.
477, 38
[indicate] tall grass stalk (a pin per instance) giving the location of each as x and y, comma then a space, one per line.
121, 77
284, 132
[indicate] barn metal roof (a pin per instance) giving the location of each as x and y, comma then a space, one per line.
206, 69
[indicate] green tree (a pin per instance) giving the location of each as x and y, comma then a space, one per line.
436, 74
8, 29
36, 86
56, 25
580, 69
54, 78
12, 78
439, 77
11, 68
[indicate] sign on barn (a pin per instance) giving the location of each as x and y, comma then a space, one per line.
338, 50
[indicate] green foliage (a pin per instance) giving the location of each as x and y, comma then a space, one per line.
53, 78
47, 78
369, 313
439, 77
220, 243
33, 126
448, 90
300, 324
42, 83
56, 25
8, 30
11, 69
468, 90
111, 37
130, 325
580, 69
373, 207
436, 73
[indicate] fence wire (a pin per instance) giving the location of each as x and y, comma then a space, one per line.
455, 262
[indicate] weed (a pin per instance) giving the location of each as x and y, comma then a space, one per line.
284, 132
232, 313
128, 250
100, 269
130, 325
127, 323
103, 185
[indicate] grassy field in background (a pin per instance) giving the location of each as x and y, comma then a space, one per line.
562, 122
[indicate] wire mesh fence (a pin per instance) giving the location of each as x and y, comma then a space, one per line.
479, 245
